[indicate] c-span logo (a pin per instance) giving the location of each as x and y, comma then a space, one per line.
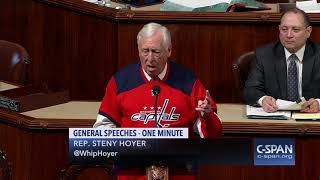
274, 151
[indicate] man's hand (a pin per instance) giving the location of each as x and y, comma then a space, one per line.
204, 106
311, 106
269, 104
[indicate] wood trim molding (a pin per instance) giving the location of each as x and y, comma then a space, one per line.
22, 121
169, 16
270, 128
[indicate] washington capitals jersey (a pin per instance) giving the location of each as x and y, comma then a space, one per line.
129, 101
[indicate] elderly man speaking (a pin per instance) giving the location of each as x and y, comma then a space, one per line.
182, 99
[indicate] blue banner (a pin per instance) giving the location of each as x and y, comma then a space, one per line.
274, 151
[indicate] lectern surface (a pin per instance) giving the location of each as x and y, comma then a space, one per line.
69, 110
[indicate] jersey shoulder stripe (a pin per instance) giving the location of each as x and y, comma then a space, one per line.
129, 78
181, 78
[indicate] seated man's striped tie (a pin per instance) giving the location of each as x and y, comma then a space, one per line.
292, 80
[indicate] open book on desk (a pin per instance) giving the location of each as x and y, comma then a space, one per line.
259, 113
213, 5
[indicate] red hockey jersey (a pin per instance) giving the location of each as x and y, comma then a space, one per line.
129, 102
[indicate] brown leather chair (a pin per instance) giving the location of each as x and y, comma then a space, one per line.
13, 63
240, 69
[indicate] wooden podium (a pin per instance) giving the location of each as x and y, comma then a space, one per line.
30, 97
155, 172
36, 144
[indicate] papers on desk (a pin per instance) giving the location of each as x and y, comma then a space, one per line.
290, 105
100, 2
189, 5
259, 113
285, 108
212, 5
92, 1
197, 4
309, 6
306, 116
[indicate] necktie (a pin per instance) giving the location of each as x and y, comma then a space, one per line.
292, 86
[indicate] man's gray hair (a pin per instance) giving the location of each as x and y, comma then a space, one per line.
150, 29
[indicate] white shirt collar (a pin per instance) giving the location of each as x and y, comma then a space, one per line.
161, 75
299, 53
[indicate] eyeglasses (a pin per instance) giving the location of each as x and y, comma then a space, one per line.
154, 52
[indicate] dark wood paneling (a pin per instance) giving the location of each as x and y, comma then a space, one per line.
76, 51
30, 151
78, 46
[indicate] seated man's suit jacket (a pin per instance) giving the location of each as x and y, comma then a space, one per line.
268, 74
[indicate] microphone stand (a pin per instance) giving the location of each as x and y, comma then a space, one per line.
157, 172
156, 92
156, 112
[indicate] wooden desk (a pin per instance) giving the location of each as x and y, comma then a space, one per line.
307, 139
6, 86
36, 143
235, 121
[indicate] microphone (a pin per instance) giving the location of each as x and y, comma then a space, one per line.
156, 92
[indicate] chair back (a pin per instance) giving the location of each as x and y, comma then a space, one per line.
240, 69
14, 60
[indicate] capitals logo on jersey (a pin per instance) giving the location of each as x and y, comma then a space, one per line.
162, 116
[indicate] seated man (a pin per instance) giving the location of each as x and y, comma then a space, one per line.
183, 101
287, 69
